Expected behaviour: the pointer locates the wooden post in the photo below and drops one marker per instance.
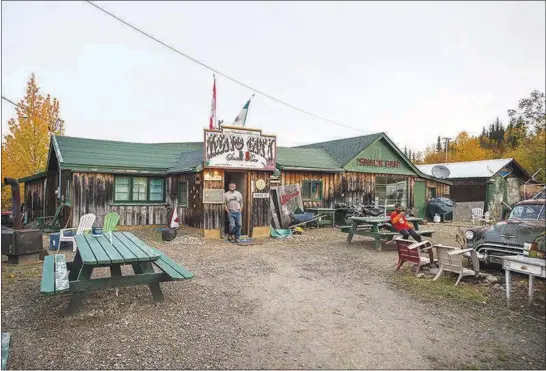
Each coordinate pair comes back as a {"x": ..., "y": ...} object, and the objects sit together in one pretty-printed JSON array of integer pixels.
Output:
[{"x": 507, "y": 277}]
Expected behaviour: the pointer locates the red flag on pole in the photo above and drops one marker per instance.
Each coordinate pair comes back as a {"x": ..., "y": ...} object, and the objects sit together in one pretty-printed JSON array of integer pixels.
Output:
[{"x": 212, "y": 123}]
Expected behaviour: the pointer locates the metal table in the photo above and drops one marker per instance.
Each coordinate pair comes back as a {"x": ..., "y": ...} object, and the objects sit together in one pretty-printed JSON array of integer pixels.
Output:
[{"x": 532, "y": 267}]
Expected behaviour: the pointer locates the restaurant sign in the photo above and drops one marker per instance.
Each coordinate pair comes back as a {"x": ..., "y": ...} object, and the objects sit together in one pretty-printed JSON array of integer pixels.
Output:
[
  {"x": 378, "y": 163},
  {"x": 240, "y": 148}
]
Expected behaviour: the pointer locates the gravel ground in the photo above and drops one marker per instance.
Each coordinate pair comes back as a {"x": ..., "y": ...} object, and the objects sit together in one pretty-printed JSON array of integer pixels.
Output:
[{"x": 309, "y": 302}]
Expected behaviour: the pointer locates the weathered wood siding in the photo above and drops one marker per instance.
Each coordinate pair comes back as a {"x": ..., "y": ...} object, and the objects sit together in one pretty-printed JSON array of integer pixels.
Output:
[
  {"x": 35, "y": 199},
  {"x": 259, "y": 206},
  {"x": 351, "y": 187},
  {"x": 94, "y": 193},
  {"x": 213, "y": 214},
  {"x": 192, "y": 214},
  {"x": 331, "y": 185}
]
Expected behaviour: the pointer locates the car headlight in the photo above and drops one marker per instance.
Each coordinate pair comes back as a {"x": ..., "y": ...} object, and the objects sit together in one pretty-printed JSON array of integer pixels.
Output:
[{"x": 469, "y": 234}]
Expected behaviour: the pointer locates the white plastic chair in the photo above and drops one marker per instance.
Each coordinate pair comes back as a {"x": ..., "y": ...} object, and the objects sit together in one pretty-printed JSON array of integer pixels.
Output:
[
  {"x": 477, "y": 215},
  {"x": 86, "y": 224}
]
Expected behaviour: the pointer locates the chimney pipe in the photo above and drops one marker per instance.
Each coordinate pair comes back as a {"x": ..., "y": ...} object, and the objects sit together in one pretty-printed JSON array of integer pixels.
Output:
[{"x": 15, "y": 202}]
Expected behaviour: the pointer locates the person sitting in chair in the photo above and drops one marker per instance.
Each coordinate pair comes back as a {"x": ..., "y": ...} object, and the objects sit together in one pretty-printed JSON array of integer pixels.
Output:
[{"x": 401, "y": 225}]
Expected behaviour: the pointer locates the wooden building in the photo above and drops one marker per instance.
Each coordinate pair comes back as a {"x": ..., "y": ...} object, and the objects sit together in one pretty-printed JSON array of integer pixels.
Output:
[
  {"x": 486, "y": 184},
  {"x": 142, "y": 181},
  {"x": 360, "y": 169}
]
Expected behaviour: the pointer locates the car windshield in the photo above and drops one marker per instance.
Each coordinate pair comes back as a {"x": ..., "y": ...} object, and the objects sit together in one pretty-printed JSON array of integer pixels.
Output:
[{"x": 528, "y": 212}]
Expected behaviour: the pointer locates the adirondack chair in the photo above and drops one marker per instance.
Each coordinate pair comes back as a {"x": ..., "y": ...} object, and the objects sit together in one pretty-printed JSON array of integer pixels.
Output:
[
  {"x": 86, "y": 223},
  {"x": 111, "y": 221},
  {"x": 477, "y": 215},
  {"x": 409, "y": 251},
  {"x": 451, "y": 260},
  {"x": 53, "y": 223}
]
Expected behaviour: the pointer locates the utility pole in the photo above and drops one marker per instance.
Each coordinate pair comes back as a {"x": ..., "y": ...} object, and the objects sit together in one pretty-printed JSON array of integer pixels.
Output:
[{"x": 447, "y": 140}]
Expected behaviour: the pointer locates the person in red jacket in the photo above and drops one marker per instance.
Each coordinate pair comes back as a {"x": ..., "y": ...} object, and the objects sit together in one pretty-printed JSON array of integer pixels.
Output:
[{"x": 400, "y": 224}]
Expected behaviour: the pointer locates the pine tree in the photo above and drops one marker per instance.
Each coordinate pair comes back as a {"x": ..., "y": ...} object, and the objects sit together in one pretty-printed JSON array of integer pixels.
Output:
[{"x": 439, "y": 145}]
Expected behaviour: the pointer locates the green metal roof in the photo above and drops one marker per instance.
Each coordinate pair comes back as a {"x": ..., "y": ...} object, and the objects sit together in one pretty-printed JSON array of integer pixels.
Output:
[
  {"x": 188, "y": 161},
  {"x": 305, "y": 158},
  {"x": 344, "y": 150},
  {"x": 32, "y": 177},
  {"x": 90, "y": 154}
]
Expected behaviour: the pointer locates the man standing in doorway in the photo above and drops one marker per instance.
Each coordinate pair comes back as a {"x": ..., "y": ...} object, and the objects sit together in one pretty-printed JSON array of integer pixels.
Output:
[{"x": 234, "y": 206}]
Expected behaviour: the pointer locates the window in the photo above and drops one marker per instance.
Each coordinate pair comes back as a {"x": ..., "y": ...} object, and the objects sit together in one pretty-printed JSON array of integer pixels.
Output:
[
  {"x": 391, "y": 190},
  {"x": 312, "y": 190},
  {"x": 139, "y": 189},
  {"x": 183, "y": 194},
  {"x": 431, "y": 193}
]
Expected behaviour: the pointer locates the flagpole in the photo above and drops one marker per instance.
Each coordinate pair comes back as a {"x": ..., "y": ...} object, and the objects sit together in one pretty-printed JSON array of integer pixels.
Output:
[{"x": 215, "y": 115}]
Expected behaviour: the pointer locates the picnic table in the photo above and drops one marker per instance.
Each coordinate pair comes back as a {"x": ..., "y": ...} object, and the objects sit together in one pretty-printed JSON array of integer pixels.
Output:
[
  {"x": 369, "y": 227},
  {"x": 321, "y": 212},
  {"x": 111, "y": 251}
]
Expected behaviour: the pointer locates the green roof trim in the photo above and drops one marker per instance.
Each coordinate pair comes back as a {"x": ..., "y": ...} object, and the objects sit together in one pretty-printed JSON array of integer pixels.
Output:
[
  {"x": 305, "y": 158},
  {"x": 32, "y": 177}
]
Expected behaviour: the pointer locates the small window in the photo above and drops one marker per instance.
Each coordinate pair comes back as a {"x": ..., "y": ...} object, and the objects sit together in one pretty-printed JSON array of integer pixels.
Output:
[
  {"x": 156, "y": 189},
  {"x": 432, "y": 193},
  {"x": 123, "y": 188},
  {"x": 183, "y": 194},
  {"x": 312, "y": 190},
  {"x": 139, "y": 189}
]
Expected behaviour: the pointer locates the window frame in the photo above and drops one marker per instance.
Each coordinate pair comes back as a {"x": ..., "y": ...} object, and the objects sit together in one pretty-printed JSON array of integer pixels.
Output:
[
  {"x": 309, "y": 182},
  {"x": 132, "y": 184},
  {"x": 405, "y": 201},
  {"x": 179, "y": 194}
]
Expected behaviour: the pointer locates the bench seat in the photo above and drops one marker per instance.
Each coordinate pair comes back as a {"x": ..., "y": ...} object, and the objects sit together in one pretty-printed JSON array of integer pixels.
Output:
[
  {"x": 172, "y": 268},
  {"x": 54, "y": 275}
]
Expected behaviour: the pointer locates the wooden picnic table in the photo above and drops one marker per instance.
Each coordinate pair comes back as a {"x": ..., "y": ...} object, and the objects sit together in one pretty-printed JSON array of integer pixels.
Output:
[
  {"x": 369, "y": 227},
  {"x": 111, "y": 251},
  {"x": 324, "y": 211}
]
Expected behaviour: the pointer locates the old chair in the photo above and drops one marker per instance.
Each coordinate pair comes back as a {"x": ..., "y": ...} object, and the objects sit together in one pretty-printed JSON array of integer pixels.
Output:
[
  {"x": 53, "y": 223},
  {"x": 451, "y": 260},
  {"x": 409, "y": 251},
  {"x": 111, "y": 221},
  {"x": 86, "y": 223}
]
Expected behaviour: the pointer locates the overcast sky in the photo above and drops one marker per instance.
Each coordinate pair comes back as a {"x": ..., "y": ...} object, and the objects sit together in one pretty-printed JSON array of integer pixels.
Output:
[{"x": 412, "y": 70}]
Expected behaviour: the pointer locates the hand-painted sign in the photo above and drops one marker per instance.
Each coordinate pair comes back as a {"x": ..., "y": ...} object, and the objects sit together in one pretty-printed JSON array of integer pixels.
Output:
[
  {"x": 240, "y": 148},
  {"x": 378, "y": 163},
  {"x": 260, "y": 195}
]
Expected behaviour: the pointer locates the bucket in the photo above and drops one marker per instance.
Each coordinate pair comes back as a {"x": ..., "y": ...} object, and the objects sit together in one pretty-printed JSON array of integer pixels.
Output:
[
  {"x": 54, "y": 241},
  {"x": 436, "y": 218},
  {"x": 97, "y": 231}
]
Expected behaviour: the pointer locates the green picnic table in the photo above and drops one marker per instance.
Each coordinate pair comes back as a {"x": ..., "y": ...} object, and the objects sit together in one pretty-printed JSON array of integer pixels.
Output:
[
  {"x": 324, "y": 211},
  {"x": 112, "y": 251},
  {"x": 369, "y": 227}
]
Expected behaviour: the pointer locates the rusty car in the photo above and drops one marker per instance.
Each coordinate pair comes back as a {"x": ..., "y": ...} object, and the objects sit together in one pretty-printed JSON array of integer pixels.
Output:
[{"x": 525, "y": 224}]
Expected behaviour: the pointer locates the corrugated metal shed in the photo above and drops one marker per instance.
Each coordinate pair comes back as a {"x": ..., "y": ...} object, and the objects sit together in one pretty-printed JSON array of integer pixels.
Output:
[
  {"x": 91, "y": 154},
  {"x": 305, "y": 158},
  {"x": 344, "y": 150},
  {"x": 470, "y": 169}
]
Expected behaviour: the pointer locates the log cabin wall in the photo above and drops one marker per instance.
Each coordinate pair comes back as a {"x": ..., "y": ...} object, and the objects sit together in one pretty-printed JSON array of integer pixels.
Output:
[
  {"x": 94, "y": 193},
  {"x": 259, "y": 206},
  {"x": 213, "y": 214},
  {"x": 331, "y": 185},
  {"x": 191, "y": 214},
  {"x": 35, "y": 199}
]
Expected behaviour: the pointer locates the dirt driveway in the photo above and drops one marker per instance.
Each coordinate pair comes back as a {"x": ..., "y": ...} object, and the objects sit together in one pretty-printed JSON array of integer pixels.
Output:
[{"x": 311, "y": 302}]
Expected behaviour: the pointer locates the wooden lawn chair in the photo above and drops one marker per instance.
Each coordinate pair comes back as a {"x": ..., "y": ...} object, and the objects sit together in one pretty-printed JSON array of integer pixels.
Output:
[
  {"x": 52, "y": 223},
  {"x": 409, "y": 251},
  {"x": 111, "y": 221},
  {"x": 86, "y": 223},
  {"x": 451, "y": 260}
]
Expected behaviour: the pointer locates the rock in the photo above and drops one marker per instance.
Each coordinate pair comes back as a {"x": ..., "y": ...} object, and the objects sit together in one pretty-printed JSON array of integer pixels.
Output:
[
  {"x": 420, "y": 275},
  {"x": 434, "y": 270},
  {"x": 491, "y": 279}
]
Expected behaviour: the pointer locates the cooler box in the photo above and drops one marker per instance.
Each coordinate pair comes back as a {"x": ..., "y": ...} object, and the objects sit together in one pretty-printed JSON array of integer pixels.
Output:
[{"x": 54, "y": 241}]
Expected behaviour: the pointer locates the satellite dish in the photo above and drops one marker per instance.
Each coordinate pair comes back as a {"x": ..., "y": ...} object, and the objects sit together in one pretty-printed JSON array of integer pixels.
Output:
[
  {"x": 440, "y": 171},
  {"x": 505, "y": 171}
]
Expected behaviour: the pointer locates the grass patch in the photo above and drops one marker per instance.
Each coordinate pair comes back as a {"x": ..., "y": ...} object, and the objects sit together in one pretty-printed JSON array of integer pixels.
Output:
[{"x": 443, "y": 287}]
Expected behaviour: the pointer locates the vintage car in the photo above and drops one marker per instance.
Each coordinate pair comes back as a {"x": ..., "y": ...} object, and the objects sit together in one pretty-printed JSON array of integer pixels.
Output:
[{"x": 525, "y": 224}]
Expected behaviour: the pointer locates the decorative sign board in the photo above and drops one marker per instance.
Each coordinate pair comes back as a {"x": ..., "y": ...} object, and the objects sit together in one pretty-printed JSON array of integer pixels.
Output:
[
  {"x": 260, "y": 195},
  {"x": 260, "y": 184},
  {"x": 213, "y": 196},
  {"x": 378, "y": 163},
  {"x": 240, "y": 148},
  {"x": 212, "y": 177}
]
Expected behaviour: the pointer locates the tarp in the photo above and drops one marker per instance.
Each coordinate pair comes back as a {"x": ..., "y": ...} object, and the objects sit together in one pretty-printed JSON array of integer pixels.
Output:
[
  {"x": 441, "y": 206},
  {"x": 280, "y": 233}
]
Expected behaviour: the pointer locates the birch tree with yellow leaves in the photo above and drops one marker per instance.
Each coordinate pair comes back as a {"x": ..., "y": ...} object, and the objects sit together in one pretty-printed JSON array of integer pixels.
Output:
[{"x": 25, "y": 147}]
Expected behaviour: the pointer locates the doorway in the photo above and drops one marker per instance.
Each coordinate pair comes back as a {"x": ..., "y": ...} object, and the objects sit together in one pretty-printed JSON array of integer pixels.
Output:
[{"x": 240, "y": 179}]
